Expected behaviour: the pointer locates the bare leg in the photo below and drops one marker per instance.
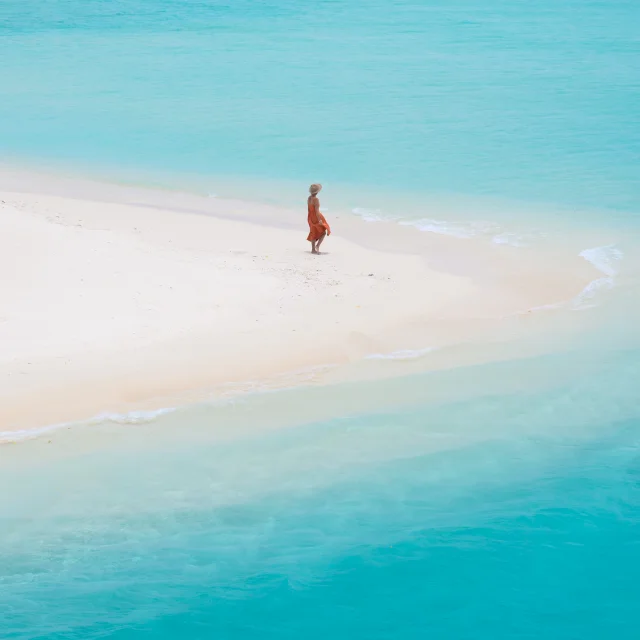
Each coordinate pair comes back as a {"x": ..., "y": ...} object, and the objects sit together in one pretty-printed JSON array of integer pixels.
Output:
[
  {"x": 313, "y": 247},
  {"x": 319, "y": 241}
]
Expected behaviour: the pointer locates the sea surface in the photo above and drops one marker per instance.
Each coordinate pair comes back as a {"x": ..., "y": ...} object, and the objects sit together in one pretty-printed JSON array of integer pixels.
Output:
[{"x": 500, "y": 500}]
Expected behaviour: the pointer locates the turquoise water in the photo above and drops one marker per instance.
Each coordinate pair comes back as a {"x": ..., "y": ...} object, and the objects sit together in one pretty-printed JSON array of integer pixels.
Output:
[
  {"x": 509, "y": 515},
  {"x": 506, "y": 510},
  {"x": 532, "y": 102}
]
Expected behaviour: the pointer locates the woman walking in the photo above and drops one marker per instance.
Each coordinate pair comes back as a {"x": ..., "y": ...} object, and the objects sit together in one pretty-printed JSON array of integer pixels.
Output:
[{"x": 318, "y": 226}]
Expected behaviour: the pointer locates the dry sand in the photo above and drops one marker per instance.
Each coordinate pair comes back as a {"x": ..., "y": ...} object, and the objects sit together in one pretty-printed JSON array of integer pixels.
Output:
[{"x": 112, "y": 306}]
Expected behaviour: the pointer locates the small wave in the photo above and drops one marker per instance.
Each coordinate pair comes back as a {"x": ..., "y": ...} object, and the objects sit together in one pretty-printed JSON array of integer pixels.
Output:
[
  {"x": 370, "y": 215},
  {"x": 455, "y": 229},
  {"x": 402, "y": 354},
  {"x": 606, "y": 259},
  {"x": 512, "y": 239},
  {"x": 585, "y": 299},
  {"x": 465, "y": 230},
  {"x": 8, "y": 437},
  {"x": 132, "y": 417}
]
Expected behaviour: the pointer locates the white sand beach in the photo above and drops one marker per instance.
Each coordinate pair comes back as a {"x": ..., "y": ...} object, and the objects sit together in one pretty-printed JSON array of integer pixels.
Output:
[{"x": 124, "y": 304}]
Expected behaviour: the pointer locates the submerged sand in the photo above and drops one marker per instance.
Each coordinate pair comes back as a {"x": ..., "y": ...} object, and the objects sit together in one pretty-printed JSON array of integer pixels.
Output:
[{"x": 116, "y": 298}]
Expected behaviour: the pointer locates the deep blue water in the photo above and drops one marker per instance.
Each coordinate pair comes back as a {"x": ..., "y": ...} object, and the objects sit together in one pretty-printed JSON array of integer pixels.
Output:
[{"x": 498, "y": 515}]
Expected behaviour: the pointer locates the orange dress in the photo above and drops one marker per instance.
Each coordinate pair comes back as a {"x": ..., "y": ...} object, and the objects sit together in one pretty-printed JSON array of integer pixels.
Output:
[{"x": 316, "y": 229}]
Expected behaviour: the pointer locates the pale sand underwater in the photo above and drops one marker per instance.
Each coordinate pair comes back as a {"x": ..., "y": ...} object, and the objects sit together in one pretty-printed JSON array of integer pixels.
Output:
[{"x": 126, "y": 299}]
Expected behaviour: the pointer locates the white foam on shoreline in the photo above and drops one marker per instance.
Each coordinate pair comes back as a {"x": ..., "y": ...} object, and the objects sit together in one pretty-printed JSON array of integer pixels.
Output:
[
  {"x": 470, "y": 229},
  {"x": 512, "y": 239},
  {"x": 131, "y": 417},
  {"x": 452, "y": 228},
  {"x": 282, "y": 382},
  {"x": 606, "y": 259},
  {"x": 456, "y": 229},
  {"x": 370, "y": 215}
]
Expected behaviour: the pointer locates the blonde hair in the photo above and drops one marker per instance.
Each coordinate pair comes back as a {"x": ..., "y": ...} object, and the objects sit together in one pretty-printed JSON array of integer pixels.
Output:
[{"x": 315, "y": 188}]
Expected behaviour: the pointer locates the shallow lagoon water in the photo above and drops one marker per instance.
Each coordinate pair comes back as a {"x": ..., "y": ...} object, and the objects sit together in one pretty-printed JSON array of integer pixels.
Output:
[
  {"x": 534, "y": 103},
  {"x": 504, "y": 504},
  {"x": 494, "y": 515}
]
